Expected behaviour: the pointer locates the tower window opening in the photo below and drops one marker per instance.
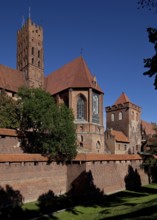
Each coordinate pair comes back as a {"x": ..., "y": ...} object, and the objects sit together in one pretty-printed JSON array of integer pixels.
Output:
[
  {"x": 38, "y": 63},
  {"x": 32, "y": 60},
  {"x": 132, "y": 115},
  {"x": 32, "y": 50},
  {"x": 38, "y": 53},
  {"x": 120, "y": 116},
  {"x": 112, "y": 117}
]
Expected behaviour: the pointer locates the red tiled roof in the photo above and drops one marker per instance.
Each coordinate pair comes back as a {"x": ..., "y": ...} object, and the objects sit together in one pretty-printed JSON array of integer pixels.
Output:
[
  {"x": 72, "y": 75},
  {"x": 119, "y": 136},
  {"x": 8, "y": 132},
  {"x": 11, "y": 79},
  {"x": 148, "y": 127},
  {"x": 122, "y": 99}
]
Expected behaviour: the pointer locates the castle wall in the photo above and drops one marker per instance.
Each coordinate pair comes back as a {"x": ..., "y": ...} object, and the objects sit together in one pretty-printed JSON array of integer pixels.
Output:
[
  {"x": 9, "y": 142},
  {"x": 32, "y": 176}
]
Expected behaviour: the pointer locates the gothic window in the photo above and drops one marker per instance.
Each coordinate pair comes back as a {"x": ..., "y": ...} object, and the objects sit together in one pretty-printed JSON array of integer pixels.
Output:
[
  {"x": 81, "y": 108},
  {"x": 120, "y": 116},
  {"x": 98, "y": 145},
  {"x": 112, "y": 117},
  {"x": 32, "y": 60}
]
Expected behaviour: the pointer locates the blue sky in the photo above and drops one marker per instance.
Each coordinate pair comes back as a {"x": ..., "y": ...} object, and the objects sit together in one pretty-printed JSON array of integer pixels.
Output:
[{"x": 112, "y": 34}]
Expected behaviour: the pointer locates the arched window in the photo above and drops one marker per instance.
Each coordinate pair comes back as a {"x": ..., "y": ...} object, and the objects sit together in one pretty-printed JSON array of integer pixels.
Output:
[
  {"x": 81, "y": 108},
  {"x": 32, "y": 60},
  {"x": 98, "y": 145},
  {"x": 120, "y": 116},
  {"x": 112, "y": 117}
]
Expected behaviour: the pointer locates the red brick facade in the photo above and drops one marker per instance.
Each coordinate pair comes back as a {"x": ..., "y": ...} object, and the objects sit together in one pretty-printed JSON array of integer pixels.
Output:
[{"x": 33, "y": 176}]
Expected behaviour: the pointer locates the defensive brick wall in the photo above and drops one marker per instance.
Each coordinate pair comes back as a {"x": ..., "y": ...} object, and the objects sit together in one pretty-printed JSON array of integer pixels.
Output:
[{"x": 32, "y": 175}]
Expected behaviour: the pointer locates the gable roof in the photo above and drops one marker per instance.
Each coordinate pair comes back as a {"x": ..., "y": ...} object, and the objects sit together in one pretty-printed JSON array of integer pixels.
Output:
[
  {"x": 119, "y": 136},
  {"x": 148, "y": 128},
  {"x": 122, "y": 99},
  {"x": 75, "y": 74},
  {"x": 11, "y": 79}
]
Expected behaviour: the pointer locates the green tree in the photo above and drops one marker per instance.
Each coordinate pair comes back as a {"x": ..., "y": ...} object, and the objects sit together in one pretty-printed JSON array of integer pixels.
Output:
[
  {"x": 150, "y": 160},
  {"x": 64, "y": 136},
  {"x": 151, "y": 63},
  {"x": 45, "y": 127},
  {"x": 9, "y": 113}
]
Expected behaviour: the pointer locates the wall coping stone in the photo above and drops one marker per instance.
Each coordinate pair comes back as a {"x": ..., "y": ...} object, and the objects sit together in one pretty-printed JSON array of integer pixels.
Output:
[{"x": 80, "y": 157}]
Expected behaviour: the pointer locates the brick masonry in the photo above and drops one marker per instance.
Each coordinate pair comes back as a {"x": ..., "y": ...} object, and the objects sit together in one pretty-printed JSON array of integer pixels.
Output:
[{"x": 32, "y": 176}]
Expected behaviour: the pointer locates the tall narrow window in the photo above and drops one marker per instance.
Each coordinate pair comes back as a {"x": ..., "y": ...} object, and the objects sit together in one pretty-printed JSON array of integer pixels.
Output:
[
  {"x": 136, "y": 116},
  {"x": 81, "y": 108},
  {"x": 112, "y": 117},
  {"x": 32, "y": 60},
  {"x": 132, "y": 115},
  {"x": 32, "y": 50},
  {"x": 38, "y": 63},
  {"x": 38, "y": 53},
  {"x": 120, "y": 116}
]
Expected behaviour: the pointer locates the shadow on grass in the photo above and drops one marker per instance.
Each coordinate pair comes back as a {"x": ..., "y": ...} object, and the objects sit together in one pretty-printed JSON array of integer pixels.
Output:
[
  {"x": 83, "y": 192},
  {"x": 142, "y": 213}
]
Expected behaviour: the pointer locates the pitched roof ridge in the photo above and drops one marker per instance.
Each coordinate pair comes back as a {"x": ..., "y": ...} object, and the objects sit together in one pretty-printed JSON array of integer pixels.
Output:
[
  {"x": 7, "y": 67},
  {"x": 123, "y": 98},
  {"x": 87, "y": 71},
  {"x": 74, "y": 74}
]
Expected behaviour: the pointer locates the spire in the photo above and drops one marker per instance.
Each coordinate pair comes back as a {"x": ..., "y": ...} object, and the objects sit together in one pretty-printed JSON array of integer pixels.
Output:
[
  {"x": 29, "y": 13},
  {"x": 122, "y": 99},
  {"x": 23, "y": 20}
]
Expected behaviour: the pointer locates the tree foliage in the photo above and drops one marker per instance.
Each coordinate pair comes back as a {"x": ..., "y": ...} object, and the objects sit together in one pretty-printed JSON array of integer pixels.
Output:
[
  {"x": 9, "y": 112},
  {"x": 150, "y": 4},
  {"x": 150, "y": 161},
  {"x": 46, "y": 127},
  {"x": 151, "y": 63}
]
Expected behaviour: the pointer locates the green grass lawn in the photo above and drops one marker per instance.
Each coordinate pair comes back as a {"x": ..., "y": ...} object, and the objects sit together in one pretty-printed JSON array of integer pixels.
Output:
[
  {"x": 141, "y": 204},
  {"x": 122, "y": 205}
]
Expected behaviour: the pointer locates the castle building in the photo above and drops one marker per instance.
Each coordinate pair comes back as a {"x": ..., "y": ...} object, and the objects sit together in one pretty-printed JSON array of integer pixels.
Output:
[
  {"x": 72, "y": 84},
  {"x": 30, "y": 59},
  {"x": 124, "y": 117}
]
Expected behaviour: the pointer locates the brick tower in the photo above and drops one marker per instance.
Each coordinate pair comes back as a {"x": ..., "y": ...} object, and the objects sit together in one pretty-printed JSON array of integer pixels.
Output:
[
  {"x": 125, "y": 116},
  {"x": 30, "y": 53}
]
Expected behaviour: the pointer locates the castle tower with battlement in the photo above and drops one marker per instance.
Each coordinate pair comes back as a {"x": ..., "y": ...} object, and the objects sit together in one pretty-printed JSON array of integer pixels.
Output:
[
  {"x": 30, "y": 53},
  {"x": 125, "y": 116}
]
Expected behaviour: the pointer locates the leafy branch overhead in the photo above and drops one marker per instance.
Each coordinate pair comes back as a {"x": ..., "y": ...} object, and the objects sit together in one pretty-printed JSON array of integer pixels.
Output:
[
  {"x": 151, "y": 63},
  {"x": 150, "y": 4}
]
